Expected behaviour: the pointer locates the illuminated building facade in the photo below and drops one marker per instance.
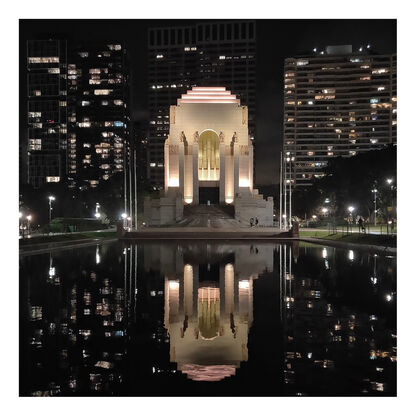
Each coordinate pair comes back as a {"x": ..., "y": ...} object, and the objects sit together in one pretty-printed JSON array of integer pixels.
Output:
[
  {"x": 208, "y": 157},
  {"x": 46, "y": 111},
  {"x": 205, "y": 54},
  {"x": 98, "y": 112},
  {"x": 336, "y": 103}
]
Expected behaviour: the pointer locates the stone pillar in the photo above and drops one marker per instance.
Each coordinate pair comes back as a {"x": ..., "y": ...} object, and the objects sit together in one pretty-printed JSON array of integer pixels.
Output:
[
  {"x": 195, "y": 173},
  {"x": 222, "y": 158},
  {"x": 181, "y": 169},
  {"x": 235, "y": 170}
]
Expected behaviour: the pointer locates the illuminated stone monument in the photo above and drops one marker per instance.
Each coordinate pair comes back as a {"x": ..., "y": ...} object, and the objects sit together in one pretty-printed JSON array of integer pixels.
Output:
[{"x": 208, "y": 156}]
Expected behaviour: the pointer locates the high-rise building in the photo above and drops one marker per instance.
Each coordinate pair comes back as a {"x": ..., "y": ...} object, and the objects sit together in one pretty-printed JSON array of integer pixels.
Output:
[
  {"x": 46, "y": 111},
  {"x": 98, "y": 112},
  {"x": 78, "y": 111},
  {"x": 336, "y": 103},
  {"x": 204, "y": 54}
]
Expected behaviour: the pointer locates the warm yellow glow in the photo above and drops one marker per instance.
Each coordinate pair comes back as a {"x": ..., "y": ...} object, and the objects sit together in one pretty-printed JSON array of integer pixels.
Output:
[
  {"x": 244, "y": 182},
  {"x": 174, "y": 285},
  {"x": 244, "y": 284},
  {"x": 209, "y": 158},
  {"x": 188, "y": 200},
  {"x": 229, "y": 200},
  {"x": 173, "y": 181}
]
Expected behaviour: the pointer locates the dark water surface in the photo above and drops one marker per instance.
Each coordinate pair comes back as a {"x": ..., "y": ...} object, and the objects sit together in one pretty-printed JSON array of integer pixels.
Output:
[{"x": 183, "y": 319}]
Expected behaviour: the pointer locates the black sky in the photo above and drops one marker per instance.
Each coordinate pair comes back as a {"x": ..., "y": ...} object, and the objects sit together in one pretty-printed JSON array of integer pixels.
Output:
[{"x": 276, "y": 40}]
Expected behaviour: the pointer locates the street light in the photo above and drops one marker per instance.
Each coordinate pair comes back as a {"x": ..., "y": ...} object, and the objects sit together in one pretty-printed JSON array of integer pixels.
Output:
[
  {"x": 350, "y": 209},
  {"x": 124, "y": 217},
  {"x": 324, "y": 210},
  {"x": 374, "y": 191},
  {"x": 29, "y": 218},
  {"x": 51, "y": 199}
]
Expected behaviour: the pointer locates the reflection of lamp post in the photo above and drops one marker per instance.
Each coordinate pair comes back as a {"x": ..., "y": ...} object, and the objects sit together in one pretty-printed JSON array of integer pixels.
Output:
[{"x": 51, "y": 199}]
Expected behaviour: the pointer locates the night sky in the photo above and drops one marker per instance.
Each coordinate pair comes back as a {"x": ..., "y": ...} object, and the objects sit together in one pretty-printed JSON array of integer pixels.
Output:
[{"x": 276, "y": 40}]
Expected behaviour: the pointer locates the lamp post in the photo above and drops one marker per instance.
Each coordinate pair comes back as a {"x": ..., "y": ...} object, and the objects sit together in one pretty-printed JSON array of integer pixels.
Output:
[
  {"x": 97, "y": 212},
  {"x": 389, "y": 181},
  {"x": 29, "y": 218},
  {"x": 20, "y": 222},
  {"x": 51, "y": 199},
  {"x": 375, "y": 191},
  {"x": 350, "y": 209},
  {"x": 124, "y": 217}
]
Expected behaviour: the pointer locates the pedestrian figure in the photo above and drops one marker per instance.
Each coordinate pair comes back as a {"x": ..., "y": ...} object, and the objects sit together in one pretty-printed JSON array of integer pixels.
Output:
[
  {"x": 256, "y": 221},
  {"x": 251, "y": 221},
  {"x": 360, "y": 222}
]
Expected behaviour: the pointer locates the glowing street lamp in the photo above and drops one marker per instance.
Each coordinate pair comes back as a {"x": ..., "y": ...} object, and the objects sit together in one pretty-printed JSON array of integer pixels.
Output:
[
  {"x": 350, "y": 209},
  {"x": 375, "y": 191},
  {"x": 124, "y": 217},
  {"x": 324, "y": 210},
  {"x": 29, "y": 218},
  {"x": 51, "y": 199}
]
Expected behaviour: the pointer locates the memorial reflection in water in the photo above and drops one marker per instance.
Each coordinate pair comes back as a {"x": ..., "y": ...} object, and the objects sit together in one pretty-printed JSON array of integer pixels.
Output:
[
  {"x": 198, "y": 318},
  {"x": 209, "y": 307}
]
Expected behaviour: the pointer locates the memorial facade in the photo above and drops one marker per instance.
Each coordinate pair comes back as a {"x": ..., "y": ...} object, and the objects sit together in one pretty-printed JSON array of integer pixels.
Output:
[{"x": 208, "y": 158}]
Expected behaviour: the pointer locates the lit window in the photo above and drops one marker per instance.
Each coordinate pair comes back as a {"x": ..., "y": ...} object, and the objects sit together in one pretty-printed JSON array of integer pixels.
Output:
[
  {"x": 102, "y": 91},
  {"x": 45, "y": 59},
  {"x": 114, "y": 47}
]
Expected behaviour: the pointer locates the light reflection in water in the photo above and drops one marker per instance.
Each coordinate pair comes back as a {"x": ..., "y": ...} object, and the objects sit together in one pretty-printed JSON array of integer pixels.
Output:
[{"x": 194, "y": 313}]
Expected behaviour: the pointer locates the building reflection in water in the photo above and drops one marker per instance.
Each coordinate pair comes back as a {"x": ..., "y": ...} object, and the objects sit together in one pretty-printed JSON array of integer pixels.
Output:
[
  {"x": 208, "y": 308},
  {"x": 96, "y": 321},
  {"x": 330, "y": 327}
]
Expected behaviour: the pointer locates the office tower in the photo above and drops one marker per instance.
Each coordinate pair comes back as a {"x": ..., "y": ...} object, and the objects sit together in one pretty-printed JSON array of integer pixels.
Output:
[
  {"x": 337, "y": 102},
  {"x": 98, "y": 112},
  {"x": 46, "y": 111},
  {"x": 204, "y": 54},
  {"x": 139, "y": 145}
]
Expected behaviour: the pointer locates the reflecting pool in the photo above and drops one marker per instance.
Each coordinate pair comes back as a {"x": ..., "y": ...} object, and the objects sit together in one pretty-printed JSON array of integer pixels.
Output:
[{"x": 184, "y": 319}]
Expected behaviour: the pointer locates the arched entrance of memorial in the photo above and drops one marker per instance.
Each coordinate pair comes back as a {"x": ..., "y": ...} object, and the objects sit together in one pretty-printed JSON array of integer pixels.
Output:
[{"x": 209, "y": 167}]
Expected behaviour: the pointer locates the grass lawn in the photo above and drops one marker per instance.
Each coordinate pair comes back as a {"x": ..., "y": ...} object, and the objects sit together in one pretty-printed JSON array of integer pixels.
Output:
[
  {"x": 69, "y": 237},
  {"x": 359, "y": 238}
]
